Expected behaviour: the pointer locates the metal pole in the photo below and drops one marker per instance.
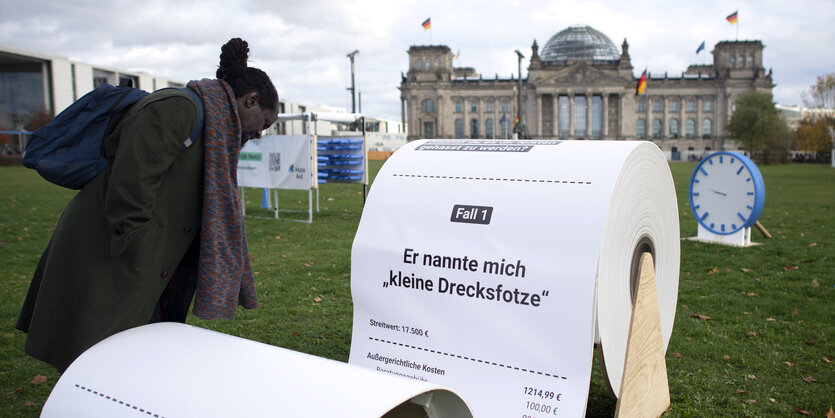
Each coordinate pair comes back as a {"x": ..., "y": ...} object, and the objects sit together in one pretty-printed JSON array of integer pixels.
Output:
[
  {"x": 832, "y": 150},
  {"x": 275, "y": 197},
  {"x": 519, "y": 90},
  {"x": 353, "y": 86},
  {"x": 521, "y": 128},
  {"x": 403, "y": 117},
  {"x": 243, "y": 202}
]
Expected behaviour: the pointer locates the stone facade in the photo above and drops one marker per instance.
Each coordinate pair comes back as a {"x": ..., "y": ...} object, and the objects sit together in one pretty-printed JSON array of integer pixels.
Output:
[{"x": 582, "y": 95}]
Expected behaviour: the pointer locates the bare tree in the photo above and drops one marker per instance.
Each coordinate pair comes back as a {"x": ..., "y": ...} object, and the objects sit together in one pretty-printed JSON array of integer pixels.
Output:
[{"x": 822, "y": 93}]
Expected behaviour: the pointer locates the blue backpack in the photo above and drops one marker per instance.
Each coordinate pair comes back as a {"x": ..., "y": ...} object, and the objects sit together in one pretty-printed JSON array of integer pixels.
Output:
[{"x": 69, "y": 151}]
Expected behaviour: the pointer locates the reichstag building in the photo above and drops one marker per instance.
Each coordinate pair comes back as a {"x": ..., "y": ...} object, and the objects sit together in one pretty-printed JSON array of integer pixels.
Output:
[{"x": 580, "y": 85}]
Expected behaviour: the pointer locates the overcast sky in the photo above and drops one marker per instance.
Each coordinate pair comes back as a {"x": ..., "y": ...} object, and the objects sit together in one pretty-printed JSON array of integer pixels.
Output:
[{"x": 303, "y": 45}]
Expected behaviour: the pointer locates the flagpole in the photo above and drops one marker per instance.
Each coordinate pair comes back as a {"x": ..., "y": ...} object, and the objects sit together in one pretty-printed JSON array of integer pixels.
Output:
[
  {"x": 427, "y": 25},
  {"x": 737, "y": 24}
]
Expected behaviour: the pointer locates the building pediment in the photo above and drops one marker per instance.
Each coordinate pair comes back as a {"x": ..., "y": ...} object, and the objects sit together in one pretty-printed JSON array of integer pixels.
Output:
[{"x": 580, "y": 74}]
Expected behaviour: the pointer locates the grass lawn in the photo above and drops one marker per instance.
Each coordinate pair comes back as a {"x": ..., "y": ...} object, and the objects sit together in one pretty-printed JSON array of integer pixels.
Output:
[{"x": 766, "y": 349}]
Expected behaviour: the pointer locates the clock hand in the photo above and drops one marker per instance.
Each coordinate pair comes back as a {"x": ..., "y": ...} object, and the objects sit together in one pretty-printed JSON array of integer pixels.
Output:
[{"x": 718, "y": 192}]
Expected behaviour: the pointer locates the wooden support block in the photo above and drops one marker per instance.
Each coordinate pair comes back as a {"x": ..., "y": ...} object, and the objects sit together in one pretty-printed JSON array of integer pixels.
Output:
[
  {"x": 762, "y": 229},
  {"x": 644, "y": 390}
]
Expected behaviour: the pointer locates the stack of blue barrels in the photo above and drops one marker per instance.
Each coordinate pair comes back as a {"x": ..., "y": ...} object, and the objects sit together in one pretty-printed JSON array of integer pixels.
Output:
[{"x": 340, "y": 159}]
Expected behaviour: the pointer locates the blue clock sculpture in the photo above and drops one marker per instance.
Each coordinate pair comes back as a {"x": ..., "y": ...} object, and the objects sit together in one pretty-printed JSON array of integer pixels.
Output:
[{"x": 727, "y": 194}]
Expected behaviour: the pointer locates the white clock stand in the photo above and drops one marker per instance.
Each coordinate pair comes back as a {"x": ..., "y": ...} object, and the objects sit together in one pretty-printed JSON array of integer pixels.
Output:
[{"x": 741, "y": 238}]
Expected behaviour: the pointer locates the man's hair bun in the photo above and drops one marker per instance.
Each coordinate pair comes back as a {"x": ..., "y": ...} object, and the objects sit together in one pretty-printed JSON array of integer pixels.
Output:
[{"x": 233, "y": 58}]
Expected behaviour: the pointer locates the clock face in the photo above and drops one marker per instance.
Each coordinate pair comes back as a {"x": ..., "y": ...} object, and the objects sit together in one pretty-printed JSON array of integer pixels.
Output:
[{"x": 727, "y": 192}]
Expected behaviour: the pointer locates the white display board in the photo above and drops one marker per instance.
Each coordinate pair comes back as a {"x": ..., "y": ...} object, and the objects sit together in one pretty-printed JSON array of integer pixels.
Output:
[
  {"x": 176, "y": 370},
  {"x": 276, "y": 162},
  {"x": 478, "y": 265}
]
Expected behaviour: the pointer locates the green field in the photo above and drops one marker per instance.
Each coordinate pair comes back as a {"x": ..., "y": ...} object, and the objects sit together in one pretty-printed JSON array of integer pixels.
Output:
[{"x": 766, "y": 349}]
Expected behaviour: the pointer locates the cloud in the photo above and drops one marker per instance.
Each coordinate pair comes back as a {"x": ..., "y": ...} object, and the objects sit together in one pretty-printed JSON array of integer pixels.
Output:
[{"x": 303, "y": 45}]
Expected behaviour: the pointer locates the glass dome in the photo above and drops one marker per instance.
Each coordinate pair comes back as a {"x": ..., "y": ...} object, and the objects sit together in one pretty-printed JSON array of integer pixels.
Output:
[{"x": 580, "y": 43}]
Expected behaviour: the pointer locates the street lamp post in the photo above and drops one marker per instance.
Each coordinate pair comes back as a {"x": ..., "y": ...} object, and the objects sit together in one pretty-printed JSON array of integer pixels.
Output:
[
  {"x": 521, "y": 128},
  {"x": 353, "y": 87}
]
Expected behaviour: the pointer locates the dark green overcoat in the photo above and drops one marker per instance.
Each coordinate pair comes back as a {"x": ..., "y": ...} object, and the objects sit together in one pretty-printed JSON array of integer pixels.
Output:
[{"x": 123, "y": 236}]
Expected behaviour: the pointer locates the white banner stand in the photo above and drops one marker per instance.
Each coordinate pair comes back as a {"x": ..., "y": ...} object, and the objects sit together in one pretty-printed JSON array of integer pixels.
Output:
[
  {"x": 291, "y": 162},
  {"x": 176, "y": 370},
  {"x": 276, "y": 162}
]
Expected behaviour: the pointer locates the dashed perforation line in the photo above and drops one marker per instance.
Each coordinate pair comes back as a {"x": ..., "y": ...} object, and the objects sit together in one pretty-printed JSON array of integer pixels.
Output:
[
  {"x": 117, "y": 401},
  {"x": 426, "y": 176},
  {"x": 429, "y": 350}
]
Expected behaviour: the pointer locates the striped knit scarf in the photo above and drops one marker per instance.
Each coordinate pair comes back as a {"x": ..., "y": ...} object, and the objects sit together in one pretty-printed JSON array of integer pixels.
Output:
[{"x": 224, "y": 274}]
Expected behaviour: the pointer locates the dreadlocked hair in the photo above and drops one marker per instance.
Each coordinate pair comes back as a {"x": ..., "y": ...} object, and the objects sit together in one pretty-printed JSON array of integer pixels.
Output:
[{"x": 233, "y": 69}]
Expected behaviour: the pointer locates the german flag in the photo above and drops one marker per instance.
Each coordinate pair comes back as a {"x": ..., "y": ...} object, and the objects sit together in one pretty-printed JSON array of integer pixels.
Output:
[
  {"x": 426, "y": 23},
  {"x": 732, "y": 18},
  {"x": 642, "y": 84}
]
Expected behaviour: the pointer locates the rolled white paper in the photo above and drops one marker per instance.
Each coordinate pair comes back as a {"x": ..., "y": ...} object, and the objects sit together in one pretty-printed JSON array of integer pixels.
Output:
[
  {"x": 176, "y": 370},
  {"x": 493, "y": 266}
]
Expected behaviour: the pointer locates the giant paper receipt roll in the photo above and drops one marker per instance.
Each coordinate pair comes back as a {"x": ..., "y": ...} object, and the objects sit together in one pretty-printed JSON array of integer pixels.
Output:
[
  {"x": 492, "y": 267},
  {"x": 176, "y": 370}
]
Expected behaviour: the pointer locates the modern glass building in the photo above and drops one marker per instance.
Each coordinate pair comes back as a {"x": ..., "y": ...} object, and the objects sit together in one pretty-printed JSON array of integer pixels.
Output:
[
  {"x": 23, "y": 91},
  {"x": 34, "y": 87}
]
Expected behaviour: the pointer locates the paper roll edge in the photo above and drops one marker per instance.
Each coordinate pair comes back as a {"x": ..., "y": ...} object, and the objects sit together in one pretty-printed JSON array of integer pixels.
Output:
[{"x": 644, "y": 208}]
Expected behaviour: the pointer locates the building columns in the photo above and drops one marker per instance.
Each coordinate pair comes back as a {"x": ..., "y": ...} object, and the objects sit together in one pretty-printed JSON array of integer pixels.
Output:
[
  {"x": 605, "y": 104},
  {"x": 588, "y": 115},
  {"x": 413, "y": 118},
  {"x": 698, "y": 118},
  {"x": 555, "y": 115},
  {"x": 465, "y": 114},
  {"x": 439, "y": 111},
  {"x": 570, "y": 115},
  {"x": 403, "y": 111}
]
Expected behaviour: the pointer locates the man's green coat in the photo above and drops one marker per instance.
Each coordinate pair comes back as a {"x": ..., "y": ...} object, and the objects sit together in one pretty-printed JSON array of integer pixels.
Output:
[{"x": 122, "y": 237}]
